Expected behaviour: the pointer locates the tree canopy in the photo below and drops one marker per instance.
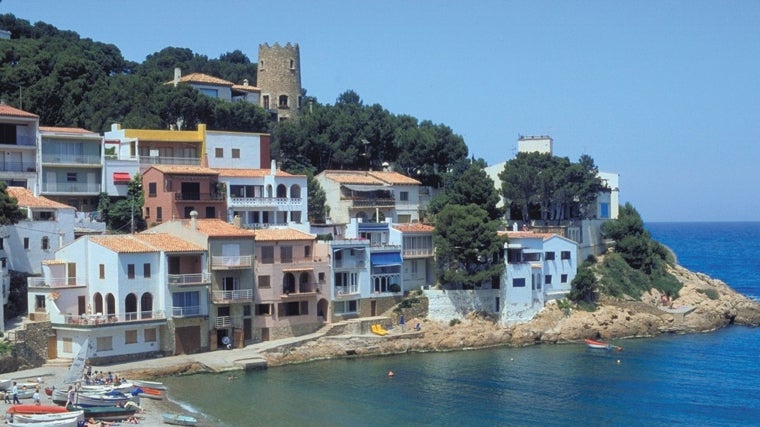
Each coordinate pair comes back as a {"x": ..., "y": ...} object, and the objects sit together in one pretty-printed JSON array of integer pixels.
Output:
[{"x": 10, "y": 213}]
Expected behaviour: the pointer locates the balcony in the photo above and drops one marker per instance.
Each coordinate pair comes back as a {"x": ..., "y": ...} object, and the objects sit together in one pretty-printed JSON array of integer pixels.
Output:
[
  {"x": 241, "y": 295},
  {"x": 54, "y": 282},
  {"x": 231, "y": 262},
  {"x": 373, "y": 203},
  {"x": 21, "y": 141},
  {"x": 418, "y": 253},
  {"x": 349, "y": 263},
  {"x": 146, "y": 161},
  {"x": 221, "y": 322},
  {"x": 346, "y": 291},
  {"x": 71, "y": 159},
  {"x": 96, "y": 320},
  {"x": 243, "y": 202},
  {"x": 196, "y": 197},
  {"x": 71, "y": 187},
  {"x": 18, "y": 167},
  {"x": 190, "y": 311},
  {"x": 188, "y": 279}
]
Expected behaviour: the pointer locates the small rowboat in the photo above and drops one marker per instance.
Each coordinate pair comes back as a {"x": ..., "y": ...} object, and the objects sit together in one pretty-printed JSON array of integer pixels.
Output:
[
  {"x": 178, "y": 419},
  {"x": 601, "y": 345},
  {"x": 35, "y": 409},
  {"x": 149, "y": 384}
]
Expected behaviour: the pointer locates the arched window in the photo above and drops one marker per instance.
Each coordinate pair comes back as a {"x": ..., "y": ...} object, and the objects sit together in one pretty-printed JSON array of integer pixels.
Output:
[
  {"x": 98, "y": 299},
  {"x": 288, "y": 283},
  {"x": 130, "y": 306},
  {"x": 110, "y": 304},
  {"x": 146, "y": 306},
  {"x": 295, "y": 191},
  {"x": 304, "y": 284},
  {"x": 282, "y": 191}
]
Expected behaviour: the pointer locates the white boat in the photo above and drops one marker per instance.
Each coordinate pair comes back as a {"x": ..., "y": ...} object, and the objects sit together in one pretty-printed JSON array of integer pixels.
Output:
[
  {"x": 39, "y": 419},
  {"x": 179, "y": 419},
  {"x": 149, "y": 384},
  {"x": 6, "y": 384},
  {"x": 110, "y": 399},
  {"x": 69, "y": 422}
]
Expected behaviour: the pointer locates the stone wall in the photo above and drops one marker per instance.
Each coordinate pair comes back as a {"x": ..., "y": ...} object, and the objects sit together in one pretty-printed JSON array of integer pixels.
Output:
[
  {"x": 445, "y": 305},
  {"x": 32, "y": 343}
]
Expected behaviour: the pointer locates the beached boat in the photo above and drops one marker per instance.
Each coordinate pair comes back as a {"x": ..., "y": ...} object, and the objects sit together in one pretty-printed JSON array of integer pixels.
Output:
[
  {"x": 69, "y": 422},
  {"x": 601, "y": 345},
  {"x": 179, "y": 419},
  {"x": 112, "y": 398},
  {"x": 149, "y": 384},
  {"x": 35, "y": 409},
  {"x": 44, "y": 419},
  {"x": 6, "y": 384},
  {"x": 107, "y": 413},
  {"x": 150, "y": 393}
]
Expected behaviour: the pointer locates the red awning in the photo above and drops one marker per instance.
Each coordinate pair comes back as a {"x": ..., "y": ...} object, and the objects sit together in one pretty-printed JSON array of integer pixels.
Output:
[{"x": 121, "y": 178}]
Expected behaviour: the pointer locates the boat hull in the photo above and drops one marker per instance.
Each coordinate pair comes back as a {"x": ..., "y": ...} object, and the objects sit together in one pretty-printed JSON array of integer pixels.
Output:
[{"x": 179, "y": 420}]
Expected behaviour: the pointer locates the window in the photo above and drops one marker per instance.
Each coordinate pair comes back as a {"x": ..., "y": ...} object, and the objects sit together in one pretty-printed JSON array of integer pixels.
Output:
[
  {"x": 235, "y": 153},
  {"x": 104, "y": 344},
  {"x": 150, "y": 335},
  {"x": 261, "y": 65},
  {"x": 186, "y": 304},
  {"x": 67, "y": 345},
  {"x": 292, "y": 64},
  {"x": 549, "y": 256},
  {"x": 210, "y": 212},
  {"x": 548, "y": 279},
  {"x": 265, "y": 102},
  {"x": 151, "y": 189},
  {"x": 45, "y": 243},
  {"x": 321, "y": 277},
  {"x": 345, "y": 307},
  {"x": 565, "y": 254},
  {"x": 2, "y": 245},
  {"x": 295, "y": 308},
  {"x": 71, "y": 176},
  {"x": 282, "y": 101},
  {"x": 219, "y": 153},
  {"x": 131, "y": 271},
  {"x": 267, "y": 255},
  {"x": 159, "y": 214},
  {"x": 306, "y": 251},
  {"x": 518, "y": 283},
  {"x": 563, "y": 278},
  {"x": 146, "y": 271},
  {"x": 26, "y": 243},
  {"x": 264, "y": 309},
  {"x": 102, "y": 268},
  {"x": 247, "y": 310},
  {"x": 404, "y": 196},
  {"x": 130, "y": 337},
  {"x": 214, "y": 93},
  {"x": 265, "y": 282},
  {"x": 286, "y": 254},
  {"x": 532, "y": 256},
  {"x": 147, "y": 213}
]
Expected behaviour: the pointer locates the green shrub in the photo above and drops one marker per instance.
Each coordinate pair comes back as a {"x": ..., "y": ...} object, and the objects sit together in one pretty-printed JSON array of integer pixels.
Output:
[
  {"x": 454, "y": 322},
  {"x": 711, "y": 293}
]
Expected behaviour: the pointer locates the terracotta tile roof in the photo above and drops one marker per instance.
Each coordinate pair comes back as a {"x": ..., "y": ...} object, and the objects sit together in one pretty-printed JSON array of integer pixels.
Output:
[
  {"x": 168, "y": 242},
  {"x": 244, "y": 88},
  {"x": 352, "y": 177},
  {"x": 250, "y": 173},
  {"x": 27, "y": 199},
  {"x": 525, "y": 235},
  {"x": 53, "y": 129},
  {"x": 185, "y": 169},
  {"x": 219, "y": 228},
  {"x": 414, "y": 228},
  {"x": 125, "y": 243},
  {"x": 275, "y": 234},
  {"x": 370, "y": 177},
  {"x": 203, "y": 79},
  {"x": 53, "y": 261},
  {"x": 7, "y": 110},
  {"x": 395, "y": 178}
]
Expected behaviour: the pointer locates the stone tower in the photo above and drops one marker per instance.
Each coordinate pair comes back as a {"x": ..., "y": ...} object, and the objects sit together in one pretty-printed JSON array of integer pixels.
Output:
[{"x": 279, "y": 78}]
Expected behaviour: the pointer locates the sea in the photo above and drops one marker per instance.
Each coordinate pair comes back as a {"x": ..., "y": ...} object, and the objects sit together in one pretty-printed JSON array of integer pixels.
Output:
[{"x": 708, "y": 379}]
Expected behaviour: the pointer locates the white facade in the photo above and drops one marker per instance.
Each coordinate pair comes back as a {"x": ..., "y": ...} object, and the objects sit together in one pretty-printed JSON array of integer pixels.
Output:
[
  {"x": 539, "y": 268},
  {"x": 417, "y": 252},
  {"x": 535, "y": 144},
  {"x": 237, "y": 150},
  {"x": 350, "y": 281}
]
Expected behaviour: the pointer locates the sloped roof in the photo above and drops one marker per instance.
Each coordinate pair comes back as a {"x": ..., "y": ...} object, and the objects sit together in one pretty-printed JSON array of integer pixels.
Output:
[
  {"x": 67, "y": 130},
  {"x": 168, "y": 242},
  {"x": 280, "y": 234},
  {"x": 370, "y": 178},
  {"x": 7, "y": 110},
  {"x": 414, "y": 228},
  {"x": 203, "y": 79},
  {"x": 526, "y": 235},
  {"x": 394, "y": 178},
  {"x": 218, "y": 228},
  {"x": 125, "y": 243},
  {"x": 27, "y": 199},
  {"x": 246, "y": 88},
  {"x": 250, "y": 173}
]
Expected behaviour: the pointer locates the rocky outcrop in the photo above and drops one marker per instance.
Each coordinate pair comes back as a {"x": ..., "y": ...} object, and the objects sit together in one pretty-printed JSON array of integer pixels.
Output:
[{"x": 704, "y": 304}]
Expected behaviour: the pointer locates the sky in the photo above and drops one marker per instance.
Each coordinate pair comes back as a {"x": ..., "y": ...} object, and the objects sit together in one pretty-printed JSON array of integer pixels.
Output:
[{"x": 665, "y": 93}]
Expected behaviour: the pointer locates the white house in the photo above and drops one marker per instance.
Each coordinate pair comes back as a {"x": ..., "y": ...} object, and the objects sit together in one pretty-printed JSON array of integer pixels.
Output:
[
  {"x": 417, "y": 252},
  {"x": 237, "y": 150},
  {"x": 48, "y": 226},
  {"x": 539, "y": 268}
]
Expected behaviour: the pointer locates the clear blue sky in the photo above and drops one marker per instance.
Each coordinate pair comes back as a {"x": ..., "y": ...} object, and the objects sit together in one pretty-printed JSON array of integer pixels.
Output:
[{"x": 665, "y": 93}]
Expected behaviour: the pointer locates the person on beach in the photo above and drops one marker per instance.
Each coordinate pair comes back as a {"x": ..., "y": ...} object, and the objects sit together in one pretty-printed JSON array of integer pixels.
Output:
[
  {"x": 36, "y": 396},
  {"x": 14, "y": 392},
  {"x": 70, "y": 396}
]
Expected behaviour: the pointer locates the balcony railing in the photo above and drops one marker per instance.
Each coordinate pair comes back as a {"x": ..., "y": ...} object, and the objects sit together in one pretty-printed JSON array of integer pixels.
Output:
[
  {"x": 264, "y": 201},
  {"x": 365, "y": 203},
  {"x": 228, "y": 322},
  {"x": 232, "y": 296},
  {"x": 195, "y": 197},
  {"x": 345, "y": 291},
  {"x": 227, "y": 262},
  {"x": 21, "y": 140},
  {"x": 71, "y": 159},
  {"x": 349, "y": 263},
  {"x": 189, "y": 279},
  {"x": 190, "y": 311},
  {"x": 54, "y": 282},
  {"x": 161, "y": 160},
  {"x": 111, "y": 319},
  {"x": 18, "y": 167},
  {"x": 71, "y": 187},
  {"x": 418, "y": 252}
]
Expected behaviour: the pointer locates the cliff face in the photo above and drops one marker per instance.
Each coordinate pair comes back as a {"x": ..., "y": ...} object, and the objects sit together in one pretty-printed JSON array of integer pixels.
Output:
[{"x": 704, "y": 304}]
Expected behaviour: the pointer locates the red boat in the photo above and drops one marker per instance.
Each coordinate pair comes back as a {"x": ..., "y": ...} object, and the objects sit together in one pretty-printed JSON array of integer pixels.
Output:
[
  {"x": 36, "y": 409},
  {"x": 601, "y": 345}
]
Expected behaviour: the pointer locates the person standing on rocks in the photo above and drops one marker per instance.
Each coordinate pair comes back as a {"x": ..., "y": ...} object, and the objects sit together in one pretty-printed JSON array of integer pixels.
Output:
[{"x": 402, "y": 323}]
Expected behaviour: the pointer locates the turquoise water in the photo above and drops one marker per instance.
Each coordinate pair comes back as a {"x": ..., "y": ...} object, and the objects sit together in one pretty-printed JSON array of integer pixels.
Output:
[{"x": 704, "y": 379}]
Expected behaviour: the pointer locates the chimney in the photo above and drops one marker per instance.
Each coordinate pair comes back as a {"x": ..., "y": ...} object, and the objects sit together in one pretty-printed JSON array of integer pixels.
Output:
[
  {"x": 274, "y": 167},
  {"x": 245, "y": 82},
  {"x": 177, "y": 75},
  {"x": 236, "y": 221},
  {"x": 194, "y": 220}
]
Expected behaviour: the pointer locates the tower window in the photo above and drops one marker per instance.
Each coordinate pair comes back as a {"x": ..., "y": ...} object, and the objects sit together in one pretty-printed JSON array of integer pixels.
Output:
[
  {"x": 261, "y": 65},
  {"x": 265, "y": 102},
  {"x": 283, "y": 101},
  {"x": 292, "y": 64}
]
